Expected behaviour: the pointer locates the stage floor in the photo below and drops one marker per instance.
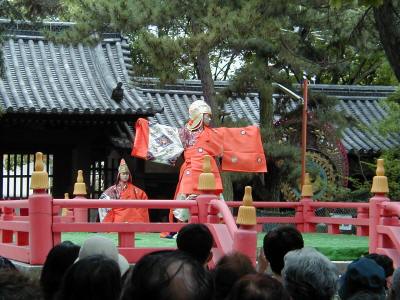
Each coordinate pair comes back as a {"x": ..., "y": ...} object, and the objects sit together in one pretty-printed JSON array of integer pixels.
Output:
[{"x": 340, "y": 247}]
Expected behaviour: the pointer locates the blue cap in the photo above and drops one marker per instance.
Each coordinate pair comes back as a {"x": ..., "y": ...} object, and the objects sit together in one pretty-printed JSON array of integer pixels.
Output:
[{"x": 362, "y": 274}]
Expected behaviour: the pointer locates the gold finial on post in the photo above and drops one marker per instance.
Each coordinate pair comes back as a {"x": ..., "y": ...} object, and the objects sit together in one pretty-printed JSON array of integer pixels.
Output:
[
  {"x": 247, "y": 212},
  {"x": 64, "y": 211},
  {"x": 207, "y": 178},
  {"x": 40, "y": 178},
  {"x": 80, "y": 186},
  {"x": 306, "y": 189},
  {"x": 380, "y": 182}
]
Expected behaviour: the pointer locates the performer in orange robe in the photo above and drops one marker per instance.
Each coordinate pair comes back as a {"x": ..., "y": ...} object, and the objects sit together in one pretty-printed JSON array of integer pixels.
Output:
[
  {"x": 241, "y": 149},
  {"x": 124, "y": 189}
]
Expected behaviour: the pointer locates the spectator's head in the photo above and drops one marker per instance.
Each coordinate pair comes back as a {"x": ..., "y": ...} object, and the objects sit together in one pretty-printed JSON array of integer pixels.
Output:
[
  {"x": 278, "y": 242},
  {"x": 17, "y": 286},
  {"x": 168, "y": 275},
  {"x": 394, "y": 291},
  {"x": 258, "y": 287},
  {"x": 197, "y": 241},
  {"x": 363, "y": 274},
  {"x": 6, "y": 264},
  {"x": 367, "y": 295},
  {"x": 94, "y": 277},
  {"x": 229, "y": 270},
  {"x": 385, "y": 262},
  {"x": 98, "y": 245},
  {"x": 57, "y": 262},
  {"x": 309, "y": 275}
]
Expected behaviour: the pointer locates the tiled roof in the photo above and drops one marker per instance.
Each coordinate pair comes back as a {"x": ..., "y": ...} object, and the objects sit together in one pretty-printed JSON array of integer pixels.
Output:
[
  {"x": 364, "y": 103},
  {"x": 43, "y": 77}
]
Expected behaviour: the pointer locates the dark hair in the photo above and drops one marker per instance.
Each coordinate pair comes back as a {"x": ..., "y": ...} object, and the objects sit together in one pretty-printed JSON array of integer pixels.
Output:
[
  {"x": 17, "y": 286},
  {"x": 384, "y": 261},
  {"x": 228, "y": 271},
  {"x": 92, "y": 278},
  {"x": 6, "y": 264},
  {"x": 168, "y": 275},
  {"x": 278, "y": 242},
  {"x": 258, "y": 287},
  {"x": 58, "y": 260},
  {"x": 196, "y": 240},
  {"x": 367, "y": 295}
]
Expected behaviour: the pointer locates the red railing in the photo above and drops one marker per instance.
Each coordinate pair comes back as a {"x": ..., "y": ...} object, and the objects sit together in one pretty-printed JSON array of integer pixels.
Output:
[
  {"x": 126, "y": 231},
  {"x": 29, "y": 238},
  {"x": 305, "y": 218},
  {"x": 385, "y": 228}
]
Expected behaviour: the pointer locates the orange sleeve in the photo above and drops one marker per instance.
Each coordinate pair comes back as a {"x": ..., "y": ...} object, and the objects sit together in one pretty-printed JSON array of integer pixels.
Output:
[
  {"x": 141, "y": 143},
  {"x": 243, "y": 150}
]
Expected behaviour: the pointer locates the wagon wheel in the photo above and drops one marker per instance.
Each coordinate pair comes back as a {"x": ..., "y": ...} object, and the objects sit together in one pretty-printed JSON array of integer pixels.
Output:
[{"x": 322, "y": 174}]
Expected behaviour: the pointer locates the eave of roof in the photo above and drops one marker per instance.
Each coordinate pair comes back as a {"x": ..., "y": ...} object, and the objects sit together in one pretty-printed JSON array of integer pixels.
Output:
[{"x": 47, "y": 78}]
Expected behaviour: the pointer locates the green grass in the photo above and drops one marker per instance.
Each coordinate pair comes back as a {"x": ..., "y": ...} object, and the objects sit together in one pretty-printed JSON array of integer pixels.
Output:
[{"x": 336, "y": 247}]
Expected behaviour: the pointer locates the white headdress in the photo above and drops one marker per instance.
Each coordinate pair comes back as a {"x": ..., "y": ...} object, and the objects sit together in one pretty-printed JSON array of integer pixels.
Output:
[{"x": 196, "y": 111}]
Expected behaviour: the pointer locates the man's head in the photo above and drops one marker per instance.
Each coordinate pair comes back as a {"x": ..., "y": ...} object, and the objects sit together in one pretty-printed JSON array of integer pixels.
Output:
[
  {"x": 258, "y": 287},
  {"x": 278, "y": 242},
  {"x": 17, "y": 286},
  {"x": 309, "y": 275},
  {"x": 394, "y": 291},
  {"x": 168, "y": 275},
  {"x": 197, "y": 241},
  {"x": 384, "y": 261},
  {"x": 92, "y": 277},
  {"x": 98, "y": 245},
  {"x": 363, "y": 274},
  {"x": 229, "y": 269}
]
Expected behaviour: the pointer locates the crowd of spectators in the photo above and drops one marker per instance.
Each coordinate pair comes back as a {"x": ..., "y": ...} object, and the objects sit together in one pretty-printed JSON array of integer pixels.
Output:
[{"x": 286, "y": 270}]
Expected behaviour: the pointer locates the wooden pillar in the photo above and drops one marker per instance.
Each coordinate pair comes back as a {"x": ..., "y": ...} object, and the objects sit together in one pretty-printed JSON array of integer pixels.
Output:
[{"x": 62, "y": 175}]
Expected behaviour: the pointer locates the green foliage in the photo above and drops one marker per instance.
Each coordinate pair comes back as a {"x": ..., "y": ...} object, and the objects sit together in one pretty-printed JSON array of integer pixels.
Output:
[
  {"x": 390, "y": 125},
  {"x": 392, "y": 171},
  {"x": 360, "y": 192}
]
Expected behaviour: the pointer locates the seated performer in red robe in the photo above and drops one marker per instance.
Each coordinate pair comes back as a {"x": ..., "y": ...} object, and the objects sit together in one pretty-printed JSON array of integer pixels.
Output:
[
  {"x": 124, "y": 189},
  {"x": 241, "y": 150}
]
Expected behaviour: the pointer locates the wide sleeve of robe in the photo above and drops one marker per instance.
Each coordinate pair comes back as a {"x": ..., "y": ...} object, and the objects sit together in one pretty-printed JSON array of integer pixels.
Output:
[
  {"x": 242, "y": 150},
  {"x": 156, "y": 142}
]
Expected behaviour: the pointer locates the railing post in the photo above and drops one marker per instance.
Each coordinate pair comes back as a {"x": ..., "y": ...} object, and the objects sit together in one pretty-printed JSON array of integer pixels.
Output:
[
  {"x": 245, "y": 238},
  {"x": 206, "y": 186},
  {"x": 380, "y": 188},
  {"x": 306, "y": 199},
  {"x": 362, "y": 214},
  {"x": 40, "y": 215},
  {"x": 299, "y": 217},
  {"x": 203, "y": 202},
  {"x": 7, "y": 235},
  {"x": 80, "y": 214}
]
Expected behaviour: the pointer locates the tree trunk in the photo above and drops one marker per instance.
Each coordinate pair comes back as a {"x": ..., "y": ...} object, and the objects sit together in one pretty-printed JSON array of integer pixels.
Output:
[
  {"x": 273, "y": 182},
  {"x": 228, "y": 187},
  {"x": 388, "y": 24},
  {"x": 207, "y": 82},
  {"x": 266, "y": 109}
]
